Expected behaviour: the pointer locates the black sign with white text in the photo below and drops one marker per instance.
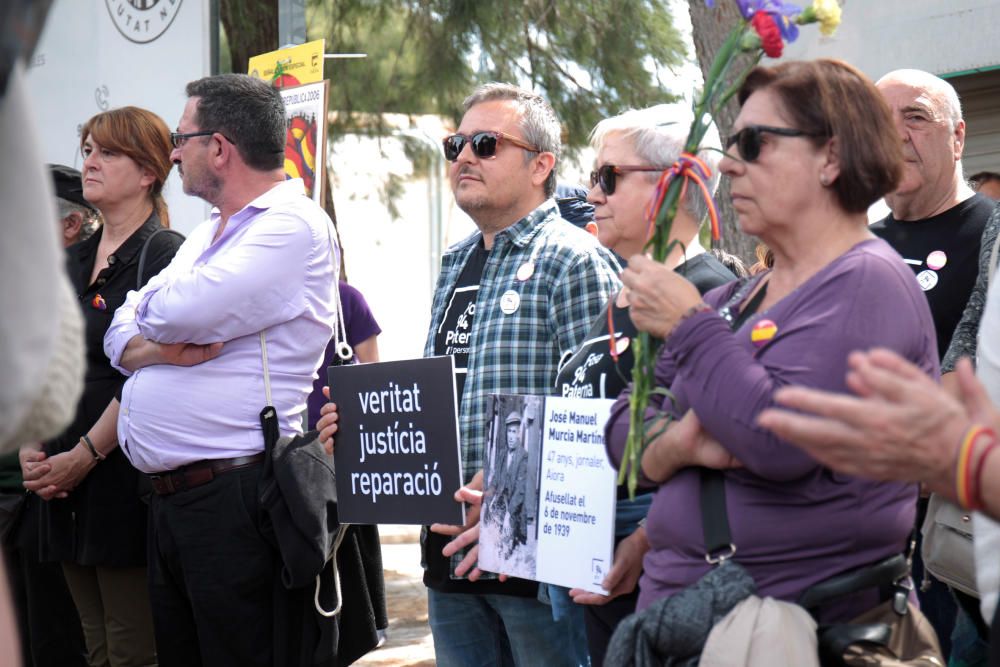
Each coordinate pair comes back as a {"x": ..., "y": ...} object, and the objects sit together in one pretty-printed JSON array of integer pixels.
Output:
[{"x": 396, "y": 449}]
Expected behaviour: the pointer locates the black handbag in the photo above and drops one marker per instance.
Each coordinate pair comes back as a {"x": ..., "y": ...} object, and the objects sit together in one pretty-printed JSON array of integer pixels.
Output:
[{"x": 298, "y": 495}]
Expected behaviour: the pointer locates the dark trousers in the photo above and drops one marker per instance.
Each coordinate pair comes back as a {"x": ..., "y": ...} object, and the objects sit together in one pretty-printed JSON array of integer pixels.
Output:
[
  {"x": 995, "y": 639},
  {"x": 48, "y": 620},
  {"x": 211, "y": 575},
  {"x": 600, "y": 621}
]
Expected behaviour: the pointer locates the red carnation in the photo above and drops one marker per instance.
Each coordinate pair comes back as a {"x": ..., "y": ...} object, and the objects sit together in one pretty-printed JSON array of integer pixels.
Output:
[{"x": 770, "y": 34}]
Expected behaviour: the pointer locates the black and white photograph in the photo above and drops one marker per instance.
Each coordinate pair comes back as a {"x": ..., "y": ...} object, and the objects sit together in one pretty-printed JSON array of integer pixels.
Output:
[{"x": 509, "y": 524}]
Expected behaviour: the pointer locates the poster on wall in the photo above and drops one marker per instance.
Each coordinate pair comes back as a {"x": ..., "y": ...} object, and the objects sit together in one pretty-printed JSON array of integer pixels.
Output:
[
  {"x": 292, "y": 66},
  {"x": 305, "y": 138},
  {"x": 549, "y": 491},
  {"x": 97, "y": 55}
]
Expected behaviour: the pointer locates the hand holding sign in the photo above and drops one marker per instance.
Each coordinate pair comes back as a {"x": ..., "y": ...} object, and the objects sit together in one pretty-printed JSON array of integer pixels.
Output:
[
  {"x": 467, "y": 535},
  {"x": 624, "y": 574},
  {"x": 327, "y": 424},
  {"x": 397, "y": 452}
]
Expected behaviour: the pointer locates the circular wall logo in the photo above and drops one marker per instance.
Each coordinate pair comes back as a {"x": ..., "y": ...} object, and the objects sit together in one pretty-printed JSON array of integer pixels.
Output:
[{"x": 142, "y": 21}]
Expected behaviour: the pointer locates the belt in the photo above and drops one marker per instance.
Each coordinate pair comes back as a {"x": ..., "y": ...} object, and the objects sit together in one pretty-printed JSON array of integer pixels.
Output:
[{"x": 198, "y": 473}]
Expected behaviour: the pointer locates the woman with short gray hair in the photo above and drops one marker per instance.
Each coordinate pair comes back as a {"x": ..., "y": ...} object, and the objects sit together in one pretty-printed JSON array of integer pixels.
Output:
[{"x": 633, "y": 149}]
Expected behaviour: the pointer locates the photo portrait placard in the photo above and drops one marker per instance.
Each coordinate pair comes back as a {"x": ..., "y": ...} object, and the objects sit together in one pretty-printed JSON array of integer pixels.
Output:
[{"x": 549, "y": 491}]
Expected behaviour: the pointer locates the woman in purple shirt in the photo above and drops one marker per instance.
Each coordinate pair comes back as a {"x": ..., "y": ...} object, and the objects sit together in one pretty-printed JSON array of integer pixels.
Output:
[{"x": 815, "y": 145}]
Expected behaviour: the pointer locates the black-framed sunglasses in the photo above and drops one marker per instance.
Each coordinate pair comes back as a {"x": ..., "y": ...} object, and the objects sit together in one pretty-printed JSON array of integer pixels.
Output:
[
  {"x": 484, "y": 144},
  {"x": 178, "y": 139},
  {"x": 606, "y": 175},
  {"x": 748, "y": 140}
]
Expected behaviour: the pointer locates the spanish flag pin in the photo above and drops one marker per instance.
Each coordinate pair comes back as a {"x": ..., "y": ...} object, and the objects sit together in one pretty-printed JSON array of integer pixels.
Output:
[{"x": 763, "y": 332}]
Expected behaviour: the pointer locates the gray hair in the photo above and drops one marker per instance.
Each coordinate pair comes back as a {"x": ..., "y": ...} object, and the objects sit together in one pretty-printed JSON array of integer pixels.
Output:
[
  {"x": 943, "y": 93},
  {"x": 539, "y": 124},
  {"x": 658, "y": 134},
  {"x": 91, "y": 218}
]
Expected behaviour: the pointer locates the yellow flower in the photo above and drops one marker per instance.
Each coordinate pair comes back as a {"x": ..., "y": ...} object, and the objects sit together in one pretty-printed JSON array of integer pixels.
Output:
[{"x": 828, "y": 14}]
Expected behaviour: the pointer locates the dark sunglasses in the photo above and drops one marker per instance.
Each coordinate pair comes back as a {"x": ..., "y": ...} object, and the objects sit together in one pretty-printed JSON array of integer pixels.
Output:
[
  {"x": 178, "y": 139},
  {"x": 484, "y": 144},
  {"x": 607, "y": 176},
  {"x": 748, "y": 140}
]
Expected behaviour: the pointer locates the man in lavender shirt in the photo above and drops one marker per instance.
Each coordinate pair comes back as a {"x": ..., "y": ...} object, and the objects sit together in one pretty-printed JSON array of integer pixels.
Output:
[{"x": 264, "y": 262}]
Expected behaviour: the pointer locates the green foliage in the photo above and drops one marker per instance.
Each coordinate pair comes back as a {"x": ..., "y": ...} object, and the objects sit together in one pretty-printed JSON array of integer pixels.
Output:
[{"x": 590, "y": 58}]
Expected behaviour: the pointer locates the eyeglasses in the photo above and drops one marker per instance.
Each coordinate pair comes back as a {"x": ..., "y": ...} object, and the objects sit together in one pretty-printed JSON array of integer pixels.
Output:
[
  {"x": 607, "y": 174},
  {"x": 178, "y": 139},
  {"x": 748, "y": 141},
  {"x": 484, "y": 144}
]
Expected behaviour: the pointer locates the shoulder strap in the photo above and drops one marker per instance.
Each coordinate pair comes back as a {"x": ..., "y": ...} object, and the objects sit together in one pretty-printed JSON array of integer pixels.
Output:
[
  {"x": 139, "y": 282},
  {"x": 714, "y": 518},
  {"x": 750, "y": 308},
  {"x": 340, "y": 317}
]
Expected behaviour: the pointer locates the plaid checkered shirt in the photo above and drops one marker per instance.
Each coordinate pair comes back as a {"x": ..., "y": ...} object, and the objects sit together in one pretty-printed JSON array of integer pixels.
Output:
[{"x": 518, "y": 353}]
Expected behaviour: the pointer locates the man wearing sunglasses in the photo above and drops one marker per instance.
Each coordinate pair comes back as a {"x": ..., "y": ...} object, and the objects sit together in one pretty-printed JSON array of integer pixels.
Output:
[
  {"x": 510, "y": 300},
  {"x": 936, "y": 223}
]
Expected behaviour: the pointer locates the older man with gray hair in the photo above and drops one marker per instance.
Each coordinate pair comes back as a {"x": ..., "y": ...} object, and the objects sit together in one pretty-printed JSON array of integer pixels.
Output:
[
  {"x": 936, "y": 223},
  {"x": 936, "y": 220},
  {"x": 78, "y": 220}
]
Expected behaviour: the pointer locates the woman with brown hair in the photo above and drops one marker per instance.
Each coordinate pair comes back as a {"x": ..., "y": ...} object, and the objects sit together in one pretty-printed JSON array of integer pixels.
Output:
[
  {"x": 813, "y": 146},
  {"x": 97, "y": 530}
]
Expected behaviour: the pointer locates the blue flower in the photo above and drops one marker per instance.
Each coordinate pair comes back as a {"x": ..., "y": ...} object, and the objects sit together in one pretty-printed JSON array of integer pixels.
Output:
[
  {"x": 778, "y": 7},
  {"x": 789, "y": 30}
]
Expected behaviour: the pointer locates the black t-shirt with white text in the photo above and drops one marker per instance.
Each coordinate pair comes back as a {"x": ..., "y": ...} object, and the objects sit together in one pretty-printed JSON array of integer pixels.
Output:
[
  {"x": 943, "y": 252},
  {"x": 593, "y": 371},
  {"x": 453, "y": 337}
]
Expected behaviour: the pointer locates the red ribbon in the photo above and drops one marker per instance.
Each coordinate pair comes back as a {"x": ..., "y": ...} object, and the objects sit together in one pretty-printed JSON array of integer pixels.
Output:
[{"x": 690, "y": 168}]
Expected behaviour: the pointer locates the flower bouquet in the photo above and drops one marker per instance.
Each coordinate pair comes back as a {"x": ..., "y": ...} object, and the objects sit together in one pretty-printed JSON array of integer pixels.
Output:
[{"x": 763, "y": 30}]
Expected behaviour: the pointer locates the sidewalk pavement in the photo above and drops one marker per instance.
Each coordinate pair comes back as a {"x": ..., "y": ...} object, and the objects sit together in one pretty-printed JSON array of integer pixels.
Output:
[{"x": 409, "y": 636}]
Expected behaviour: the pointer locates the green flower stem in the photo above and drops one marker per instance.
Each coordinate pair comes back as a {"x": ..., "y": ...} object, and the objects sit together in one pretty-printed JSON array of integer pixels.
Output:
[
  {"x": 646, "y": 349},
  {"x": 733, "y": 89}
]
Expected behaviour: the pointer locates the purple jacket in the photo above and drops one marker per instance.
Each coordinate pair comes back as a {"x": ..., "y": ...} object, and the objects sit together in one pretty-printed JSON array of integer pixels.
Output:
[{"x": 794, "y": 522}]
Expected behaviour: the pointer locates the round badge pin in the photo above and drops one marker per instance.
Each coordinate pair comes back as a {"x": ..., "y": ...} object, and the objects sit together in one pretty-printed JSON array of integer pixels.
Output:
[
  {"x": 526, "y": 270},
  {"x": 763, "y": 332},
  {"x": 928, "y": 280},
  {"x": 99, "y": 303},
  {"x": 510, "y": 301},
  {"x": 936, "y": 260},
  {"x": 622, "y": 344}
]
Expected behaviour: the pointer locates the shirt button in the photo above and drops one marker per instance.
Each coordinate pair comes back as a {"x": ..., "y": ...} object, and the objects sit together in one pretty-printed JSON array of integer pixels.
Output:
[
  {"x": 111, "y": 260},
  {"x": 101, "y": 281}
]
